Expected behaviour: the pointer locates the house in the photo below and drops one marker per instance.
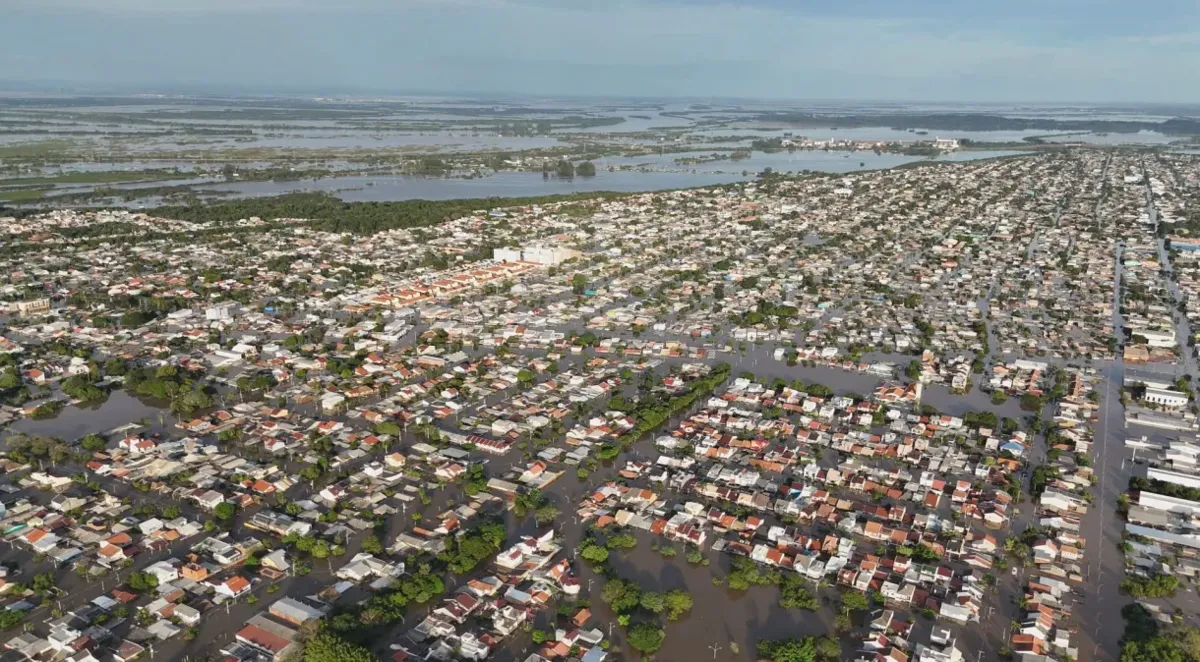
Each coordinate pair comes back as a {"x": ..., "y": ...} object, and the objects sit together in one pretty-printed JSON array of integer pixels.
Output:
[
  {"x": 233, "y": 587},
  {"x": 295, "y": 611}
]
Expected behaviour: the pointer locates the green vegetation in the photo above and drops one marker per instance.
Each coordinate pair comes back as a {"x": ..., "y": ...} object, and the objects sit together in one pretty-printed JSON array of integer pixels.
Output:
[
  {"x": 1162, "y": 487},
  {"x": 167, "y": 382},
  {"x": 793, "y": 594},
  {"x": 626, "y": 598},
  {"x": 48, "y": 409},
  {"x": 102, "y": 177},
  {"x": 806, "y": 649},
  {"x": 656, "y": 407},
  {"x": 1155, "y": 586},
  {"x": 334, "y": 215},
  {"x": 746, "y": 573},
  {"x": 593, "y": 552},
  {"x": 466, "y": 551},
  {"x": 537, "y": 503},
  {"x": 23, "y": 195},
  {"x": 1146, "y": 641},
  {"x": 1042, "y": 475},
  {"x": 476, "y": 479},
  {"x": 329, "y": 647},
  {"x": 621, "y": 541},
  {"x": 142, "y": 581},
  {"x": 646, "y": 637}
]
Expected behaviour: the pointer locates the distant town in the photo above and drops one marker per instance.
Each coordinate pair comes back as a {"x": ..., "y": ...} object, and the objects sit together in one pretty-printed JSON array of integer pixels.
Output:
[{"x": 936, "y": 413}]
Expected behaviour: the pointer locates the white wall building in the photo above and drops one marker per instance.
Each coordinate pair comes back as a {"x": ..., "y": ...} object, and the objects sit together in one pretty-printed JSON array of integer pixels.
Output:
[
  {"x": 1172, "y": 399},
  {"x": 536, "y": 253}
]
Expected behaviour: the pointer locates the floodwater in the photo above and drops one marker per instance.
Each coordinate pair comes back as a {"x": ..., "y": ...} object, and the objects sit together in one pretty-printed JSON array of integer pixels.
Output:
[
  {"x": 118, "y": 409},
  {"x": 522, "y": 184},
  {"x": 785, "y": 161},
  {"x": 504, "y": 184},
  {"x": 1139, "y": 138},
  {"x": 449, "y": 141},
  {"x": 871, "y": 133}
]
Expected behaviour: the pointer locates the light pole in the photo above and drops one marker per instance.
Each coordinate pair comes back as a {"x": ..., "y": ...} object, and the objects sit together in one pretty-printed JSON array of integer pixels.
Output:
[{"x": 714, "y": 648}]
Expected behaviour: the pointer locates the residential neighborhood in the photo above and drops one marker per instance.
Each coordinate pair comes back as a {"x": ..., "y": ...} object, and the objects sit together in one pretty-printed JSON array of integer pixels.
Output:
[{"x": 943, "y": 413}]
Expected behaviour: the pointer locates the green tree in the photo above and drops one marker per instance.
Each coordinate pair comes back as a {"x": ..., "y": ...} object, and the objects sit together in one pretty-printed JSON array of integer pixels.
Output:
[
  {"x": 622, "y": 596},
  {"x": 653, "y": 602},
  {"x": 329, "y": 647},
  {"x": 142, "y": 581},
  {"x": 678, "y": 602},
  {"x": 646, "y": 637},
  {"x": 854, "y": 601},
  {"x": 93, "y": 443},
  {"x": 225, "y": 511},
  {"x": 387, "y": 427},
  {"x": 827, "y": 649},
  {"x": 593, "y": 552},
  {"x": 43, "y": 582},
  {"x": 372, "y": 544},
  {"x": 789, "y": 650}
]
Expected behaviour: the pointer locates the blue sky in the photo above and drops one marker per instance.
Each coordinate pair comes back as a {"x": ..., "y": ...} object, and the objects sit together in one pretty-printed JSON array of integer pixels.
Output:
[{"x": 965, "y": 50}]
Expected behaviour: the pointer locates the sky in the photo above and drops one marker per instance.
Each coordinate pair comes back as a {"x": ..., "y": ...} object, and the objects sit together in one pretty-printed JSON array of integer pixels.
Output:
[{"x": 909, "y": 50}]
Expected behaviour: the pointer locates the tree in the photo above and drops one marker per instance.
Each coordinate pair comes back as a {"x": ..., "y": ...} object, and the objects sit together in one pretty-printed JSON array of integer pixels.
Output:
[
  {"x": 142, "y": 581},
  {"x": 9, "y": 379},
  {"x": 621, "y": 541},
  {"x": 93, "y": 443},
  {"x": 171, "y": 511},
  {"x": 653, "y": 602},
  {"x": 828, "y": 649},
  {"x": 622, "y": 596},
  {"x": 913, "y": 371},
  {"x": 546, "y": 513},
  {"x": 565, "y": 169},
  {"x": 678, "y": 602},
  {"x": 586, "y": 169},
  {"x": 10, "y": 617},
  {"x": 320, "y": 549},
  {"x": 854, "y": 601},
  {"x": 329, "y": 647},
  {"x": 789, "y": 650},
  {"x": 387, "y": 427},
  {"x": 646, "y": 637},
  {"x": 372, "y": 544},
  {"x": 578, "y": 283},
  {"x": 1156, "y": 649},
  {"x": 1156, "y": 586},
  {"x": 43, "y": 582},
  {"x": 225, "y": 511},
  {"x": 593, "y": 552},
  {"x": 793, "y": 594}
]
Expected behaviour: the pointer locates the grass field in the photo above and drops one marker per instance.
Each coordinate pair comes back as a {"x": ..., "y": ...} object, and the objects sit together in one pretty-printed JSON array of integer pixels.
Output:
[
  {"x": 104, "y": 177},
  {"x": 23, "y": 195}
]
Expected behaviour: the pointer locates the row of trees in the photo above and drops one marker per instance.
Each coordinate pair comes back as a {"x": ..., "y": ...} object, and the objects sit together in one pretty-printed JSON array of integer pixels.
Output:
[{"x": 330, "y": 213}]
